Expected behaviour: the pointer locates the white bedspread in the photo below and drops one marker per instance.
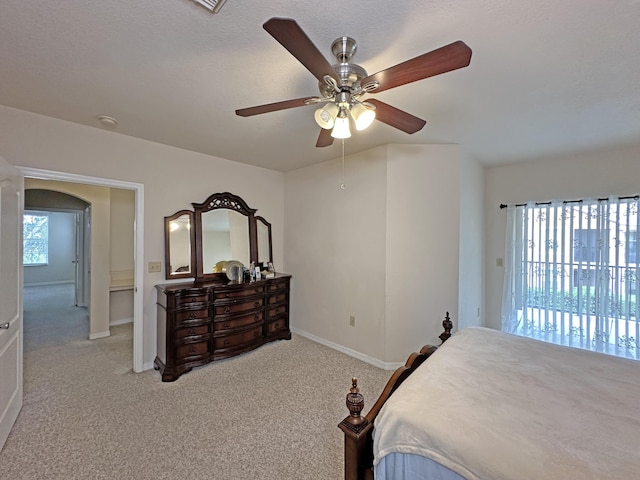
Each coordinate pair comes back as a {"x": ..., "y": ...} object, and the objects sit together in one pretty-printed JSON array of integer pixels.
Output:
[{"x": 491, "y": 406}]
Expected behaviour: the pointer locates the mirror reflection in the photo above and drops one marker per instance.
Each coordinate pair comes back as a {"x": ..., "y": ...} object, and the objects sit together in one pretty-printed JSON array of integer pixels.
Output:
[
  {"x": 264, "y": 240},
  {"x": 179, "y": 245},
  {"x": 225, "y": 236}
]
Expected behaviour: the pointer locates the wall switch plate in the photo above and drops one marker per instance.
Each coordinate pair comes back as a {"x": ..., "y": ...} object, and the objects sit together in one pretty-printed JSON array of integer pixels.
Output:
[
  {"x": 155, "y": 267},
  {"x": 499, "y": 262},
  {"x": 352, "y": 321}
]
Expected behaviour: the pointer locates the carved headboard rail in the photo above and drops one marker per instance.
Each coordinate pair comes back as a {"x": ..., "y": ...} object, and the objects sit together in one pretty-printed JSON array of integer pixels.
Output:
[{"x": 358, "y": 429}]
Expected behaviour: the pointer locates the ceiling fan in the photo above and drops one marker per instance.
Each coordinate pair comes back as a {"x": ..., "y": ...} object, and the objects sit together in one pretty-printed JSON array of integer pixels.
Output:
[{"x": 341, "y": 85}]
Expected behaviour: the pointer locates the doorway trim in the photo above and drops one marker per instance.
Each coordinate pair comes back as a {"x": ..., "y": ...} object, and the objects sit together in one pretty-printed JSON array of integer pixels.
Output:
[{"x": 138, "y": 243}]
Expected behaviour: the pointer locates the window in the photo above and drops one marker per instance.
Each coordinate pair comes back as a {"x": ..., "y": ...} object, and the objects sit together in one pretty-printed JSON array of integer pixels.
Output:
[
  {"x": 585, "y": 244},
  {"x": 632, "y": 238},
  {"x": 571, "y": 274},
  {"x": 36, "y": 238}
]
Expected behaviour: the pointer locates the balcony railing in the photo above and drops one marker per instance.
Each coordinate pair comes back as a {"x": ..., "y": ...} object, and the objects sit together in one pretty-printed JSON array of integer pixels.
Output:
[{"x": 581, "y": 306}]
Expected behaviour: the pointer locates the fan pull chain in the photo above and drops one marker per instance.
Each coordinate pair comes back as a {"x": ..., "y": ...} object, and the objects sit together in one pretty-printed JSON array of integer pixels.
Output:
[{"x": 342, "y": 185}]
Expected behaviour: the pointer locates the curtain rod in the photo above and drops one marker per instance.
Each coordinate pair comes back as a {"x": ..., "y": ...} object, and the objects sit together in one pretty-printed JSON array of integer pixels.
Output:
[{"x": 504, "y": 205}]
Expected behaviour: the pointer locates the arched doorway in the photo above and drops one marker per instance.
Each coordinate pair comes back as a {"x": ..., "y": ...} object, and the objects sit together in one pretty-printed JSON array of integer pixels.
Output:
[{"x": 138, "y": 281}]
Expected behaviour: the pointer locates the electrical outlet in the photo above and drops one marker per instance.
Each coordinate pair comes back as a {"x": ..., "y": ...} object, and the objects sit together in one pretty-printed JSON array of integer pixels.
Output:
[
  {"x": 352, "y": 321},
  {"x": 155, "y": 267}
]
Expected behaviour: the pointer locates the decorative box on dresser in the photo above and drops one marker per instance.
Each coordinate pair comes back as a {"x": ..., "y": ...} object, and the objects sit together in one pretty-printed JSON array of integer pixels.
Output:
[{"x": 199, "y": 322}]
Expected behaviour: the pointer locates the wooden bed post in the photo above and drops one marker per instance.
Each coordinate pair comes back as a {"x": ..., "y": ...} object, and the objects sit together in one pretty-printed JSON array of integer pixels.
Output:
[
  {"x": 358, "y": 429},
  {"x": 358, "y": 452},
  {"x": 447, "y": 324}
]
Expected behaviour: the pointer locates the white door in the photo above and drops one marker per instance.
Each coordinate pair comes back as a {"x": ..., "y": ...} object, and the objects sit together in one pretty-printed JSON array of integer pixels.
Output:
[{"x": 11, "y": 208}]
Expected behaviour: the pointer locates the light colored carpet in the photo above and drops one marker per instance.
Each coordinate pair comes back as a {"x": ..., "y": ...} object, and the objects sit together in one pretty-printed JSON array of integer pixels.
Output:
[{"x": 268, "y": 414}]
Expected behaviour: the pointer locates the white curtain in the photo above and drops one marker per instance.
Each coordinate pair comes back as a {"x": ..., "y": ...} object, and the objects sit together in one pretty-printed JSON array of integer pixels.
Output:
[{"x": 571, "y": 274}]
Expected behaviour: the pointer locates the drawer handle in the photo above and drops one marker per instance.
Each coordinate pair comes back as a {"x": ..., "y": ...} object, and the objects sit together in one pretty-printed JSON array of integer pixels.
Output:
[
  {"x": 227, "y": 310},
  {"x": 255, "y": 334},
  {"x": 193, "y": 350},
  {"x": 192, "y": 315},
  {"x": 226, "y": 343},
  {"x": 256, "y": 317},
  {"x": 225, "y": 325},
  {"x": 256, "y": 304},
  {"x": 276, "y": 325},
  {"x": 192, "y": 331}
]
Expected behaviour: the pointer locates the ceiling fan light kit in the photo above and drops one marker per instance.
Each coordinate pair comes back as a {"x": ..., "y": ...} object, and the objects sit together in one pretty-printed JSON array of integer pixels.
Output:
[
  {"x": 363, "y": 115},
  {"x": 341, "y": 85},
  {"x": 341, "y": 127},
  {"x": 326, "y": 116}
]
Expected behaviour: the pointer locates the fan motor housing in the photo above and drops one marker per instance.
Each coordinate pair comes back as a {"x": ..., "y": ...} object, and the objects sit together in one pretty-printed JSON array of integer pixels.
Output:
[{"x": 349, "y": 74}]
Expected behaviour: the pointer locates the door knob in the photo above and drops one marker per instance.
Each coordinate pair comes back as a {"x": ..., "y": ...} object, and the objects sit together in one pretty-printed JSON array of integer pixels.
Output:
[{"x": 4, "y": 326}]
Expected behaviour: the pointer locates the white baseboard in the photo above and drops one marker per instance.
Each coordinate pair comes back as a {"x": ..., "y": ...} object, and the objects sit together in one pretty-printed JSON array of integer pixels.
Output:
[
  {"x": 148, "y": 366},
  {"x": 95, "y": 336},
  {"x": 121, "y": 321},
  {"x": 352, "y": 353}
]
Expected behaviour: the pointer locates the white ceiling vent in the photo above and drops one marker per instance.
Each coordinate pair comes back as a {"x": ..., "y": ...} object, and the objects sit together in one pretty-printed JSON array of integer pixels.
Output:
[{"x": 212, "y": 5}]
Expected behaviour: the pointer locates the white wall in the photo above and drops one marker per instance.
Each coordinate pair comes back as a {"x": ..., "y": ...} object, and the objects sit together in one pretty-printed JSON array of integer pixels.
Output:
[
  {"x": 122, "y": 229},
  {"x": 172, "y": 179},
  {"x": 60, "y": 268},
  {"x": 471, "y": 257},
  {"x": 422, "y": 260},
  {"x": 335, "y": 249},
  {"x": 592, "y": 174},
  {"x": 384, "y": 250}
]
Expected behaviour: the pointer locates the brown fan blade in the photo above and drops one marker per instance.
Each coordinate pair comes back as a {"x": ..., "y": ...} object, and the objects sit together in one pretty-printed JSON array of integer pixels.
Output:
[
  {"x": 397, "y": 118},
  {"x": 444, "y": 59},
  {"x": 272, "y": 107},
  {"x": 324, "y": 139},
  {"x": 292, "y": 37}
]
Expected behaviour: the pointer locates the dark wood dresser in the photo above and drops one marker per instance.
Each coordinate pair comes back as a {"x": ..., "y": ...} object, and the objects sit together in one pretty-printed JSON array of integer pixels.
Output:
[{"x": 206, "y": 321}]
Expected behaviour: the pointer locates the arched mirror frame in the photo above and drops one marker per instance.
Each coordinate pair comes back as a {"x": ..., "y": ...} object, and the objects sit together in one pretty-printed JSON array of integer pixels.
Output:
[
  {"x": 167, "y": 246},
  {"x": 228, "y": 201}
]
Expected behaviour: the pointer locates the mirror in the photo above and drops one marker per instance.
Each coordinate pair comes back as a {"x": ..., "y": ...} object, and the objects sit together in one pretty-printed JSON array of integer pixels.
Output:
[
  {"x": 225, "y": 236},
  {"x": 265, "y": 253},
  {"x": 221, "y": 228},
  {"x": 225, "y": 230},
  {"x": 179, "y": 241}
]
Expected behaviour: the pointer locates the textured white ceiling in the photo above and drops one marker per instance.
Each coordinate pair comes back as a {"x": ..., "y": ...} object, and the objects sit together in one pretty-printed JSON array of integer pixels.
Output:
[{"x": 546, "y": 77}]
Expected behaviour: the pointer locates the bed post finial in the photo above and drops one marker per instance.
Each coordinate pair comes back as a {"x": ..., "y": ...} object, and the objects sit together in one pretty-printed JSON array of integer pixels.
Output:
[
  {"x": 355, "y": 403},
  {"x": 447, "y": 325}
]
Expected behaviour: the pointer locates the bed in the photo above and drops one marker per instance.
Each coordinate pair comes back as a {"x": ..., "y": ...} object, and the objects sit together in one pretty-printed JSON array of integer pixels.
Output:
[{"x": 491, "y": 405}]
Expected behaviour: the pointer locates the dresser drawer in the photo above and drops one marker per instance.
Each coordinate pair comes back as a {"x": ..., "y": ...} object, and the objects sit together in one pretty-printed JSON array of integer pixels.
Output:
[
  {"x": 278, "y": 298},
  {"x": 238, "y": 339},
  {"x": 191, "y": 296},
  {"x": 192, "y": 331},
  {"x": 238, "y": 306},
  {"x": 238, "y": 292},
  {"x": 237, "y": 322},
  {"x": 278, "y": 285},
  {"x": 275, "y": 311},
  {"x": 192, "y": 314},
  {"x": 277, "y": 325},
  {"x": 192, "y": 351}
]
